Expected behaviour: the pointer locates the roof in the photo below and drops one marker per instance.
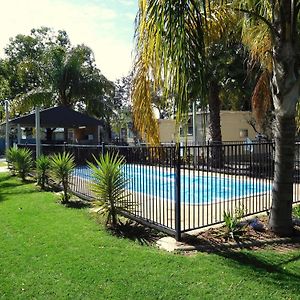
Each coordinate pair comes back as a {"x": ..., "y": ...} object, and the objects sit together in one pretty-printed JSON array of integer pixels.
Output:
[{"x": 59, "y": 116}]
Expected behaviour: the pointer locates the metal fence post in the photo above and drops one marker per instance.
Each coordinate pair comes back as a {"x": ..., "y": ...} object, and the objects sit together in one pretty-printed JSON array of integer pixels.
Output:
[{"x": 177, "y": 194}]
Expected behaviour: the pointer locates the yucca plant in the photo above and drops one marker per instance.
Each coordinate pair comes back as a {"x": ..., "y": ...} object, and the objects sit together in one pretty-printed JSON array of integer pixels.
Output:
[
  {"x": 62, "y": 166},
  {"x": 11, "y": 157},
  {"x": 23, "y": 162},
  {"x": 109, "y": 186},
  {"x": 233, "y": 225},
  {"x": 42, "y": 170}
]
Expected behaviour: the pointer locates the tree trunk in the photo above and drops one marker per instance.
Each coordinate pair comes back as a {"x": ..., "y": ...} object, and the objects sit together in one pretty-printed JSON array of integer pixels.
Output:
[
  {"x": 285, "y": 93},
  {"x": 282, "y": 195},
  {"x": 49, "y": 132},
  {"x": 217, "y": 155}
]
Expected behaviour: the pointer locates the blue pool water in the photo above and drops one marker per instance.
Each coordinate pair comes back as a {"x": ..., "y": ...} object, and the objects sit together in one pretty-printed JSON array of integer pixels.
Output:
[{"x": 193, "y": 189}]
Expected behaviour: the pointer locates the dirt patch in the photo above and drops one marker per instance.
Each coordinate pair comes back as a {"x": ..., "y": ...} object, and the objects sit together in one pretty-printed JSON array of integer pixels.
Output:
[{"x": 215, "y": 239}]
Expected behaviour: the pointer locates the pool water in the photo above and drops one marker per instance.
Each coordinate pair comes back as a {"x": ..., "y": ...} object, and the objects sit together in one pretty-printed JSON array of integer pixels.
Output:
[{"x": 196, "y": 189}]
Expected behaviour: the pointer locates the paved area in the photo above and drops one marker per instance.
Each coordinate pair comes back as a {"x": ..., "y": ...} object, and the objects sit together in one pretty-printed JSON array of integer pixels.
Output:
[{"x": 3, "y": 168}]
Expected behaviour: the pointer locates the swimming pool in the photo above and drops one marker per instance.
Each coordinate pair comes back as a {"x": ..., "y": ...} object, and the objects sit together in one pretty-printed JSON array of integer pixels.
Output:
[{"x": 195, "y": 188}]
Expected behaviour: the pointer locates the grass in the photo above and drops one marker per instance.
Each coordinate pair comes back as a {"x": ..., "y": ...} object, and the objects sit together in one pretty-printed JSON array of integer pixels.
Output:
[{"x": 52, "y": 252}]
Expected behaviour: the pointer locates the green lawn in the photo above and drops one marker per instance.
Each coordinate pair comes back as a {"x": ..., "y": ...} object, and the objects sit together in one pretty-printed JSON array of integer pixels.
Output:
[{"x": 48, "y": 251}]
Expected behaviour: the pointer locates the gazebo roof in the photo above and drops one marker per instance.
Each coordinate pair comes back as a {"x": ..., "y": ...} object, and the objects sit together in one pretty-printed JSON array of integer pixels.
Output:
[{"x": 58, "y": 117}]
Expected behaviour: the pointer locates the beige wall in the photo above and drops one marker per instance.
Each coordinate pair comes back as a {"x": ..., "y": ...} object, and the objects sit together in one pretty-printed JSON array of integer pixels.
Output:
[
  {"x": 166, "y": 130},
  {"x": 232, "y": 123}
]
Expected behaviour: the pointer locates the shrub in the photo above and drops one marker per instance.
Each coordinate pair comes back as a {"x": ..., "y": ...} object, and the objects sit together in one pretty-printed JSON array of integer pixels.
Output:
[
  {"x": 62, "y": 166},
  {"x": 296, "y": 211},
  {"x": 109, "y": 186},
  {"x": 20, "y": 161},
  {"x": 233, "y": 225},
  {"x": 42, "y": 170},
  {"x": 11, "y": 158}
]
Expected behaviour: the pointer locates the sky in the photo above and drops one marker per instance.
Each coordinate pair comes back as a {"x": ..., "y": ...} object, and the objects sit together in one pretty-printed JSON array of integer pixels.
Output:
[{"x": 106, "y": 26}]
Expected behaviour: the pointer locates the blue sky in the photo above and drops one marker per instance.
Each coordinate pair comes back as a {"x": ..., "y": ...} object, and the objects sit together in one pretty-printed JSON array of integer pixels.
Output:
[{"x": 107, "y": 26}]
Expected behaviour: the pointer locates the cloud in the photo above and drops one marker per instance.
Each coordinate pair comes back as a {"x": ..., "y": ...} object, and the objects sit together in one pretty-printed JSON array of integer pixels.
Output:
[{"x": 97, "y": 25}]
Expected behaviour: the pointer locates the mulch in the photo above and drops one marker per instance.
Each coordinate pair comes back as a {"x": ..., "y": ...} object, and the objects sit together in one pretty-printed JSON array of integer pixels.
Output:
[{"x": 215, "y": 240}]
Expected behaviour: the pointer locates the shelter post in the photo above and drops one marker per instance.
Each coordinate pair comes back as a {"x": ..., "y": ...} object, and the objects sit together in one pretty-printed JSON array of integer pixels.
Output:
[
  {"x": 99, "y": 134},
  {"x": 6, "y": 126},
  {"x": 19, "y": 133},
  {"x": 37, "y": 132}
]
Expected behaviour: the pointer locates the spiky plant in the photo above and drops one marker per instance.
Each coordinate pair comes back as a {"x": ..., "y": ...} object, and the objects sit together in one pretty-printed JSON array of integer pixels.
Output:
[
  {"x": 109, "y": 186},
  {"x": 11, "y": 156},
  {"x": 62, "y": 166},
  {"x": 23, "y": 162},
  {"x": 232, "y": 223},
  {"x": 42, "y": 170}
]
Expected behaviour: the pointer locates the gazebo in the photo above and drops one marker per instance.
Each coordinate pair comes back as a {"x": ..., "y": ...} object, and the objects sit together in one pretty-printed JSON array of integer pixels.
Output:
[{"x": 86, "y": 129}]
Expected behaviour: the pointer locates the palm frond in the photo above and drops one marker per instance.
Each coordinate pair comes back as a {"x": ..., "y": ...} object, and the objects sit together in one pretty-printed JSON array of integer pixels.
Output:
[
  {"x": 35, "y": 97},
  {"x": 170, "y": 44},
  {"x": 110, "y": 186},
  {"x": 257, "y": 39},
  {"x": 261, "y": 97}
]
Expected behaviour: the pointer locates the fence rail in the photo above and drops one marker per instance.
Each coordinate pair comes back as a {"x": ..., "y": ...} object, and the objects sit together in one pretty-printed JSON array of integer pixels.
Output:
[{"x": 179, "y": 189}]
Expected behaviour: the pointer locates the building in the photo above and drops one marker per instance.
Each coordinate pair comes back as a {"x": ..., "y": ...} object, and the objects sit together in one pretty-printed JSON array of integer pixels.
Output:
[{"x": 235, "y": 126}]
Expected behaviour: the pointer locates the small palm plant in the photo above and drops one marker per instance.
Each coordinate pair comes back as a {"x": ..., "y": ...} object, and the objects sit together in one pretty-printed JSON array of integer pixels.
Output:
[
  {"x": 42, "y": 170},
  {"x": 109, "y": 186},
  {"x": 62, "y": 166},
  {"x": 21, "y": 160},
  {"x": 233, "y": 226},
  {"x": 11, "y": 157}
]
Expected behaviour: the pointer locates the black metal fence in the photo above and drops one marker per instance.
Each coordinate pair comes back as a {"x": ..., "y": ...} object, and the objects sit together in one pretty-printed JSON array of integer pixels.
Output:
[{"x": 179, "y": 189}]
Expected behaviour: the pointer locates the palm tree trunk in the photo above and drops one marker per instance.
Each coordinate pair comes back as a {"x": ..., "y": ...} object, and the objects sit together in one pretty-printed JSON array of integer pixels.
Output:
[
  {"x": 282, "y": 196},
  {"x": 285, "y": 93},
  {"x": 217, "y": 159}
]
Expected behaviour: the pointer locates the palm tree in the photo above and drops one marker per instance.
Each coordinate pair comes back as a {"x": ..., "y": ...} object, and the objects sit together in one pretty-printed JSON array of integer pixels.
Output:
[
  {"x": 62, "y": 166},
  {"x": 69, "y": 79},
  {"x": 109, "y": 185},
  {"x": 171, "y": 49}
]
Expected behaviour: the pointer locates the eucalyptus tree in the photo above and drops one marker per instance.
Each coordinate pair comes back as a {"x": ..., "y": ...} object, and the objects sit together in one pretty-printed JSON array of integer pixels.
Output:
[{"x": 171, "y": 49}]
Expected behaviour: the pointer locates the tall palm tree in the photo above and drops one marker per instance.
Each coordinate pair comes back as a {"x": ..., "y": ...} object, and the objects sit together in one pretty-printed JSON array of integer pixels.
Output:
[
  {"x": 171, "y": 49},
  {"x": 68, "y": 78}
]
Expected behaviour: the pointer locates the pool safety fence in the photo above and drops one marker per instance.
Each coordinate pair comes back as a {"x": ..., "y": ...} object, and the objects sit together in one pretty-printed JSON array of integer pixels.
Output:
[{"x": 184, "y": 188}]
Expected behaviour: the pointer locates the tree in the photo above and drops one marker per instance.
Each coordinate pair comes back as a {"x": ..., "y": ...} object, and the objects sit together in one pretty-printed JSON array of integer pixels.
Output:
[
  {"x": 171, "y": 45},
  {"x": 122, "y": 109},
  {"x": 45, "y": 69},
  {"x": 53, "y": 72}
]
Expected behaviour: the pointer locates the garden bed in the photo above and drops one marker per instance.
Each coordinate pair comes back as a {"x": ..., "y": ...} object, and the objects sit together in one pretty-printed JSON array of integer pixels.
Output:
[{"x": 214, "y": 239}]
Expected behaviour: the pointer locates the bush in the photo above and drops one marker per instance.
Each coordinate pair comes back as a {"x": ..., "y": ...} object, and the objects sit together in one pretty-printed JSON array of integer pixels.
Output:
[
  {"x": 20, "y": 161},
  {"x": 109, "y": 186},
  {"x": 42, "y": 170},
  {"x": 296, "y": 211},
  {"x": 11, "y": 158},
  {"x": 62, "y": 166},
  {"x": 233, "y": 226}
]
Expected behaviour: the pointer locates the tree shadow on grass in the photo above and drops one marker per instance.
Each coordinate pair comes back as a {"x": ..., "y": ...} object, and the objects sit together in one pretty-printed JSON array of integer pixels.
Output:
[
  {"x": 271, "y": 271},
  {"x": 274, "y": 273},
  {"x": 136, "y": 232},
  {"x": 6, "y": 185}
]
